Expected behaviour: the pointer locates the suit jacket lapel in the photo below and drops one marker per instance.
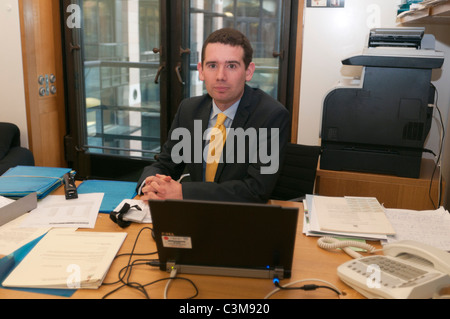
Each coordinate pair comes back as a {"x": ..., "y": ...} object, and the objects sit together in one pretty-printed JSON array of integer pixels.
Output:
[
  {"x": 203, "y": 115},
  {"x": 243, "y": 112}
]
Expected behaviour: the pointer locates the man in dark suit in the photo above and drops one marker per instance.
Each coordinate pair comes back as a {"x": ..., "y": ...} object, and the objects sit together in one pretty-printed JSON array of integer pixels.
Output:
[{"x": 257, "y": 132}]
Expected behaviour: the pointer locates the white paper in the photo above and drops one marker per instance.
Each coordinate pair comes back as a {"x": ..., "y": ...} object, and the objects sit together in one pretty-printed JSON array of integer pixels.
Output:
[
  {"x": 57, "y": 211},
  {"x": 63, "y": 259},
  {"x": 351, "y": 214},
  {"x": 431, "y": 227},
  {"x": 311, "y": 226},
  {"x": 13, "y": 236}
]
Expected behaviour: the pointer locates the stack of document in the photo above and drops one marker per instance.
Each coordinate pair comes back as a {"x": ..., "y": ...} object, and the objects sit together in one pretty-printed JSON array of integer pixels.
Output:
[
  {"x": 359, "y": 217},
  {"x": 66, "y": 259}
]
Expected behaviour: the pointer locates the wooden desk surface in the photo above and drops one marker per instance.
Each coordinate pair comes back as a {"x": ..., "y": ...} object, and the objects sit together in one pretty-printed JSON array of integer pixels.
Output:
[{"x": 310, "y": 261}]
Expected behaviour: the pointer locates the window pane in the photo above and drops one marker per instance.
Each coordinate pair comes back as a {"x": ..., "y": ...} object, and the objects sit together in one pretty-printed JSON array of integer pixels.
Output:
[
  {"x": 259, "y": 20},
  {"x": 122, "y": 99}
]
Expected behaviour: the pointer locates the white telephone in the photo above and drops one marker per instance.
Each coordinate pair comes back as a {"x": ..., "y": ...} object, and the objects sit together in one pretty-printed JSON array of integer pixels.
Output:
[{"x": 408, "y": 269}]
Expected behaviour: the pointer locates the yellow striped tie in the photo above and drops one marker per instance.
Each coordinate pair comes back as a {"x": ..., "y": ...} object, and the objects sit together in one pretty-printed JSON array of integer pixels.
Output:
[{"x": 218, "y": 137}]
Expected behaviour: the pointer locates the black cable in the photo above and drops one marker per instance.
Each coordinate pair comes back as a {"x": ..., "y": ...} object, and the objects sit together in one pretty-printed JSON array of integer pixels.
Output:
[
  {"x": 304, "y": 287},
  {"x": 426, "y": 150},
  {"x": 131, "y": 254},
  {"x": 438, "y": 156},
  {"x": 141, "y": 287},
  {"x": 125, "y": 272}
]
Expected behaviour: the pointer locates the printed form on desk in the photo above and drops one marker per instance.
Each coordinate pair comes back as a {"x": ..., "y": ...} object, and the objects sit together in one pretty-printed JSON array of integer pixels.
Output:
[
  {"x": 311, "y": 225},
  {"x": 351, "y": 214},
  {"x": 431, "y": 227},
  {"x": 57, "y": 211},
  {"x": 13, "y": 235}
]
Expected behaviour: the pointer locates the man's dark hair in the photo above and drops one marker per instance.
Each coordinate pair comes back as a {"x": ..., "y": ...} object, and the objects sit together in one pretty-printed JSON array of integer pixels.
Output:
[{"x": 231, "y": 37}]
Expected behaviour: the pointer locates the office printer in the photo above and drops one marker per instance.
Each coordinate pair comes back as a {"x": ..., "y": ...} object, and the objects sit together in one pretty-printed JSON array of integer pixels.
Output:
[{"x": 379, "y": 124}]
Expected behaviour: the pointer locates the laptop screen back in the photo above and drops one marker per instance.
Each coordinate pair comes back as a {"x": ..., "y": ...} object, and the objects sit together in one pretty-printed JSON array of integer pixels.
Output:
[{"x": 226, "y": 236}]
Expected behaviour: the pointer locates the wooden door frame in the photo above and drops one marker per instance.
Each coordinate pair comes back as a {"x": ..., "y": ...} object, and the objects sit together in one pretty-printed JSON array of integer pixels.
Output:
[
  {"x": 42, "y": 55},
  {"x": 297, "y": 73}
]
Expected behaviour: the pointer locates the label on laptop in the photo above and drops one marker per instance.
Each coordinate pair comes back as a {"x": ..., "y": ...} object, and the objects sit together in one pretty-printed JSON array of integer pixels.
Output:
[{"x": 176, "y": 242}]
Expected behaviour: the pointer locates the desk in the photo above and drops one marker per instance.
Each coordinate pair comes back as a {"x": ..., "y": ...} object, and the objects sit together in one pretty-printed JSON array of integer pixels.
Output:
[
  {"x": 310, "y": 261},
  {"x": 391, "y": 191}
]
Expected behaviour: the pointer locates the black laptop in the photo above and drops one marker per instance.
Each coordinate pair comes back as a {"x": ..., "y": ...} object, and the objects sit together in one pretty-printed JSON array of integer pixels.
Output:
[{"x": 223, "y": 238}]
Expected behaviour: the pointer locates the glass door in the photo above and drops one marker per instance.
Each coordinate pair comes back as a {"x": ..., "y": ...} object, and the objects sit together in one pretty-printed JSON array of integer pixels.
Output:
[
  {"x": 120, "y": 67},
  {"x": 129, "y": 63},
  {"x": 115, "y": 58}
]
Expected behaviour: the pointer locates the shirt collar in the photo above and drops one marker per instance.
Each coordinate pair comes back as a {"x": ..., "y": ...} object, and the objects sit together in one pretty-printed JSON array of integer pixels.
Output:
[{"x": 229, "y": 112}]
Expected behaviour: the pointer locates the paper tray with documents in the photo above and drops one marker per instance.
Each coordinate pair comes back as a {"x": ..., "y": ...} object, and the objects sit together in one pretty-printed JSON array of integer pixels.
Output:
[{"x": 339, "y": 216}]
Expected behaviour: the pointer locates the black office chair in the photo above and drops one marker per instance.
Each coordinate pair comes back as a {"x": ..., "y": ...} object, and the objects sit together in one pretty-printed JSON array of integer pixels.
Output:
[
  {"x": 11, "y": 153},
  {"x": 298, "y": 172}
]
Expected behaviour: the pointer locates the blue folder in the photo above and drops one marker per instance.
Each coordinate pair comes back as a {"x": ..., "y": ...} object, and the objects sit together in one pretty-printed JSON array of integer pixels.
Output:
[
  {"x": 114, "y": 192},
  {"x": 20, "y": 181}
]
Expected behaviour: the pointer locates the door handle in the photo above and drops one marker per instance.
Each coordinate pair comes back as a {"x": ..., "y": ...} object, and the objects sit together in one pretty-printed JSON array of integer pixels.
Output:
[
  {"x": 161, "y": 67},
  {"x": 74, "y": 47},
  {"x": 178, "y": 67},
  {"x": 178, "y": 73},
  {"x": 183, "y": 51},
  {"x": 158, "y": 73},
  {"x": 276, "y": 54}
]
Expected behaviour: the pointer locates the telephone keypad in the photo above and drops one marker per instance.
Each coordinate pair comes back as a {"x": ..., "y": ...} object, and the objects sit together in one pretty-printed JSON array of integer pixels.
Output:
[{"x": 393, "y": 273}]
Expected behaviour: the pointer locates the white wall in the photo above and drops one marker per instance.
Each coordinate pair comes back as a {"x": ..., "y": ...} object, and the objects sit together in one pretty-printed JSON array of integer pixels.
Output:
[
  {"x": 12, "y": 94},
  {"x": 333, "y": 34}
]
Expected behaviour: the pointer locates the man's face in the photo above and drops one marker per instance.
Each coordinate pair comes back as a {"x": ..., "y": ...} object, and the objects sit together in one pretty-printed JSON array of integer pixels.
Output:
[{"x": 224, "y": 73}]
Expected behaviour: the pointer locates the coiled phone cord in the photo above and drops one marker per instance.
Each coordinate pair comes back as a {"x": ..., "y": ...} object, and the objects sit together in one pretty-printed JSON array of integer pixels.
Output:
[{"x": 330, "y": 243}]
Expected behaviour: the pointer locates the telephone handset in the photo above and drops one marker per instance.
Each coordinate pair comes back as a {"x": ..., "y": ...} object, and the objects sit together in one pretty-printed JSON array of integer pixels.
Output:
[
  {"x": 439, "y": 259},
  {"x": 408, "y": 269}
]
